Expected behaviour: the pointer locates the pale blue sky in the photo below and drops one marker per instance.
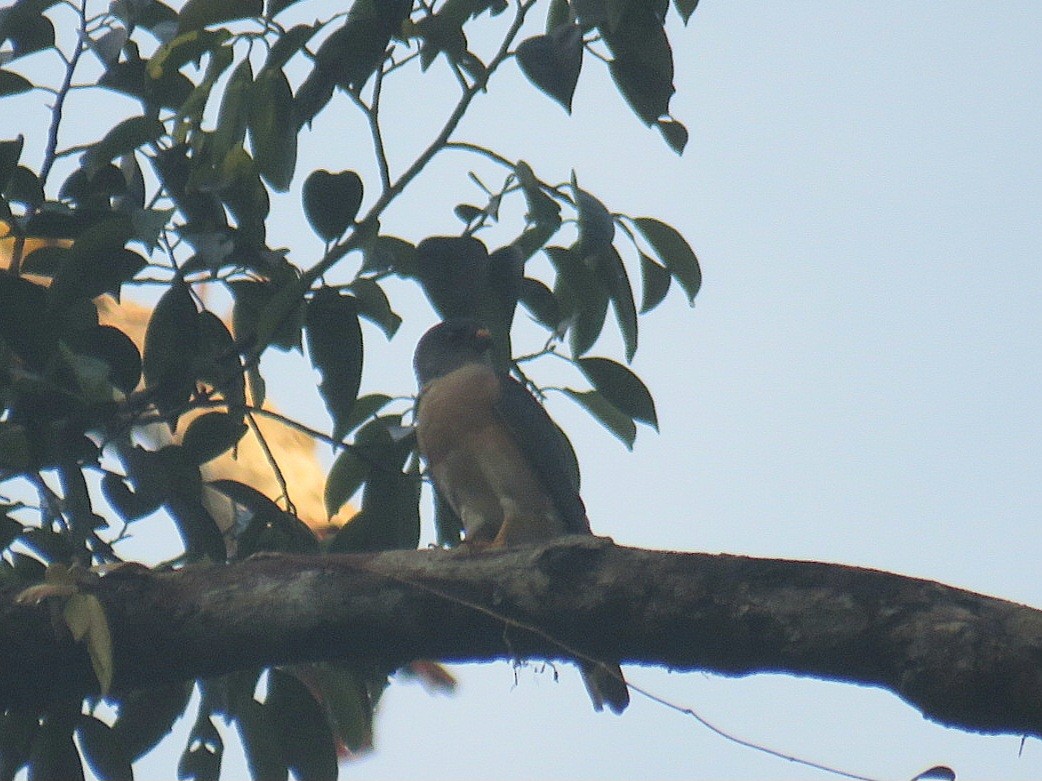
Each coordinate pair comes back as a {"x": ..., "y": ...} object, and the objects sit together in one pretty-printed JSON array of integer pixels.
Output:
[{"x": 859, "y": 380}]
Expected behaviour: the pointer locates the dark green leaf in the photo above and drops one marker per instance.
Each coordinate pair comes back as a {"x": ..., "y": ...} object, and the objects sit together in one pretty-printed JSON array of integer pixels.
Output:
[
  {"x": 612, "y": 273},
  {"x": 201, "y": 760},
  {"x": 621, "y": 387},
  {"x": 255, "y": 307},
  {"x": 596, "y": 226},
  {"x": 10, "y": 151},
  {"x": 196, "y": 14},
  {"x": 390, "y": 502},
  {"x": 936, "y": 773},
  {"x": 674, "y": 252},
  {"x": 129, "y": 504},
  {"x": 24, "y": 186},
  {"x": 12, "y": 83},
  {"x": 365, "y": 407},
  {"x": 18, "y": 729},
  {"x": 685, "y": 8},
  {"x": 217, "y": 361},
  {"x": 541, "y": 302},
  {"x": 288, "y": 44},
  {"x": 674, "y": 133},
  {"x": 347, "y": 701},
  {"x": 557, "y": 14},
  {"x": 234, "y": 114},
  {"x": 260, "y": 742},
  {"x": 467, "y": 213},
  {"x": 374, "y": 306},
  {"x": 115, "y": 349},
  {"x": 26, "y": 327},
  {"x": 96, "y": 263},
  {"x": 302, "y": 728},
  {"x": 171, "y": 341},
  {"x": 454, "y": 273},
  {"x": 385, "y": 253},
  {"x": 54, "y": 756},
  {"x": 25, "y": 26},
  {"x": 125, "y": 137},
  {"x": 169, "y": 475},
  {"x": 273, "y": 128},
  {"x": 187, "y": 47},
  {"x": 146, "y": 716},
  {"x": 331, "y": 202},
  {"x": 211, "y": 434},
  {"x": 643, "y": 62},
  {"x": 582, "y": 297},
  {"x": 278, "y": 6},
  {"x": 103, "y": 750},
  {"x": 270, "y": 527},
  {"x": 334, "y": 338},
  {"x": 552, "y": 62},
  {"x": 9, "y": 529},
  {"x": 656, "y": 283},
  {"x": 607, "y": 414},
  {"x": 346, "y": 476}
]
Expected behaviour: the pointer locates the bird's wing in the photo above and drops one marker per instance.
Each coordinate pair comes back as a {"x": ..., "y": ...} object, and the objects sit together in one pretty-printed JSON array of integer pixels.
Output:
[{"x": 545, "y": 449}]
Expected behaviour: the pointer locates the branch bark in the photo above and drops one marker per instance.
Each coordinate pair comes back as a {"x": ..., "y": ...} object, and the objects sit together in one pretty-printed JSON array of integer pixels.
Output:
[{"x": 963, "y": 659}]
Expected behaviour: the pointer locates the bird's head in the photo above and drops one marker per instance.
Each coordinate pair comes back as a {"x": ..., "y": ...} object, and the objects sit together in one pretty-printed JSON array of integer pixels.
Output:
[{"x": 450, "y": 345}]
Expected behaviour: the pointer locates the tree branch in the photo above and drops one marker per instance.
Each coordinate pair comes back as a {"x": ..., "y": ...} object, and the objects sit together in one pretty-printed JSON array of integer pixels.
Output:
[{"x": 963, "y": 659}]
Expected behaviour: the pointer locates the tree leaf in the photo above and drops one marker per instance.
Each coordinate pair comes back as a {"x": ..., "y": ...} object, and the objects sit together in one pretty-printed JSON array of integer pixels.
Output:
[
  {"x": 217, "y": 361},
  {"x": 103, "y": 750},
  {"x": 10, "y": 151},
  {"x": 234, "y": 115},
  {"x": 607, "y": 414},
  {"x": 196, "y": 14},
  {"x": 171, "y": 341},
  {"x": 345, "y": 477},
  {"x": 621, "y": 387},
  {"x": 260, "y": 741},
  {"x": 302, "y": 728},
  {"x": 674, "y": 133},
  {"x": 596, "y": 226},
  {"x": 270, "y": 528},
  {"x": 331, "y": 202},
  {"x": 612, "y": 273},
  {"x": 656, "y": 280},
  {"x": 348, "y": 704},
  {"x": 147, "y": 715},
  {"x": 12, "y": 83},
  {"x": 674, "y": 252},
  {"x": 642, "y": 63},
  {"x": 552, "y": 62},
  {"x": 211, "y": 434},
  {"x": 273, "y": 128},
  {"x": 583, "y": 299},
  {"x": 334, "y": 338},
  {"x": 374, "y": 306},
  {"x": 86, "y": 620},
  {"x": 268, "y": 313},
  {"x": 540, "y": 301},
  {"x": 54, "y": 755},
  {"x": 125, "y": 137},
  {"x": 685, "y": 8},
  {"x": 201, "y": 760}
]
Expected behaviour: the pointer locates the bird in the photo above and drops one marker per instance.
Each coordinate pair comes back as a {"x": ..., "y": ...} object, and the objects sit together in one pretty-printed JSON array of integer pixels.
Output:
[{"x": 498, "y": 460}]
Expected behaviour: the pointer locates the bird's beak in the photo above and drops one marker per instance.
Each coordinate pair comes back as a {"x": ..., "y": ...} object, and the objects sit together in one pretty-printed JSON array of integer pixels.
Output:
[{"x": 483, "y": 336}]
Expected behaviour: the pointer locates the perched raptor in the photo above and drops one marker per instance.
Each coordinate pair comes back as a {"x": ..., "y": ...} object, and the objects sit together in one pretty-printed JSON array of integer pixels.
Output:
[{"x": 498, "y": 459}]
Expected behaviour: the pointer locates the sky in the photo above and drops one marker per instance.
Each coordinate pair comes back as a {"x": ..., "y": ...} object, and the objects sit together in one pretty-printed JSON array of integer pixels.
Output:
[{"x": 858, "y": 381}]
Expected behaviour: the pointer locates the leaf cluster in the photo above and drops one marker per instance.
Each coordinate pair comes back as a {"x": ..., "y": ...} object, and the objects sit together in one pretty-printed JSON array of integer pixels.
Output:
[{"x": 175, "y": 196}]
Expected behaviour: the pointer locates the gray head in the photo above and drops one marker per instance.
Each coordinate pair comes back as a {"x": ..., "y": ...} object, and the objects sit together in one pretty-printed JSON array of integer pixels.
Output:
[{"x": 450, "y": 345}]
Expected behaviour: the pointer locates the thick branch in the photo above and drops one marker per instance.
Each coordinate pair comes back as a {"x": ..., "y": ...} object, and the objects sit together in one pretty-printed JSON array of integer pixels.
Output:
[{"x": 963, "y": 659}]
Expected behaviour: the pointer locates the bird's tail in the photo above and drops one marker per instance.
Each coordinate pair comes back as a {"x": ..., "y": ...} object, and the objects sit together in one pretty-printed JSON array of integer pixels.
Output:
[{"x": 605, "y": 685}]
